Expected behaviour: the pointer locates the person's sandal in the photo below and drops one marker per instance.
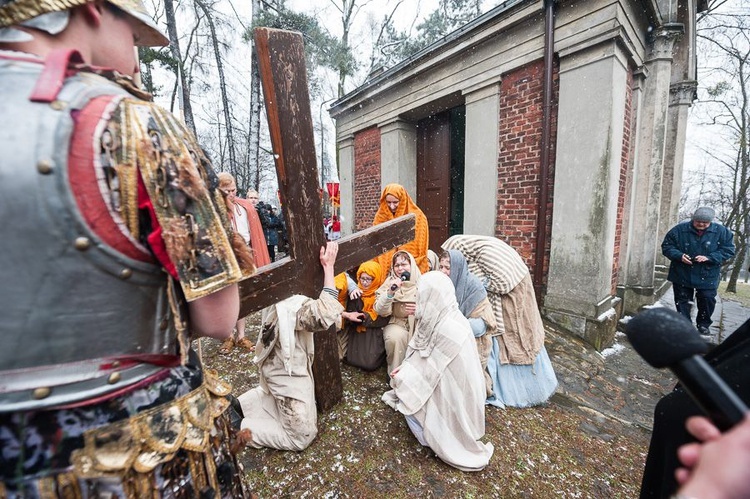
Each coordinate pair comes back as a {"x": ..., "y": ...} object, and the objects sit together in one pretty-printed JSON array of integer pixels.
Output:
[
  {"x": 226, "y": 346},
  {"x": 245, "y": 344}
]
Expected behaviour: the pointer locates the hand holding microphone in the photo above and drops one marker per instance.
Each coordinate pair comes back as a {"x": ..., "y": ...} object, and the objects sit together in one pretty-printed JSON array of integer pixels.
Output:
[
  {"x": 404, "y": 277},
  {"x": 665, "y": 338}
]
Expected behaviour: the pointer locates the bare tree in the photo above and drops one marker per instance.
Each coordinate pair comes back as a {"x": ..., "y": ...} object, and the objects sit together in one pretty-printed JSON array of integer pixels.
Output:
[
  {"x": 384, "y": 40},
  {"x": 724, "y": 105},
  {"x": 255, "y": 108},
  {"x": 233, "y": 166},
  {"x": 348, "y": 10},
  {"x": 174, "y": 46}
]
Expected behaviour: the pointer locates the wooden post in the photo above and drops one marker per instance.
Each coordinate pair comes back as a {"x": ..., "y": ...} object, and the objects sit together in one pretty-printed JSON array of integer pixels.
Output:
[{"x": 283, "y": 74}]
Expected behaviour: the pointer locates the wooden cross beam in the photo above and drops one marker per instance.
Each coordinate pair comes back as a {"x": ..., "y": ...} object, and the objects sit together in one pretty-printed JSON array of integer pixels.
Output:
[{"x": 283, "y": 73}]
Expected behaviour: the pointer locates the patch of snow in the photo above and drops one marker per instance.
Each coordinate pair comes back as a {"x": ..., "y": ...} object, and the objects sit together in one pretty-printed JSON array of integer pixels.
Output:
[
  {"x": 614, "y": 349},
  {"x": 606, "y": 315}
]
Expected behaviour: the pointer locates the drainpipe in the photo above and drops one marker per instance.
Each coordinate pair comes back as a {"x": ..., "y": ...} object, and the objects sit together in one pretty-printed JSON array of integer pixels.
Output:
[{"x": 541, "y": 219}]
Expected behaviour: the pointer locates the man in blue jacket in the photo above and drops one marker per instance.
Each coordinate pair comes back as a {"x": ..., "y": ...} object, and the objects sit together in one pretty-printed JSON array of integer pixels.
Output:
[{"x": 697, "y": 249}]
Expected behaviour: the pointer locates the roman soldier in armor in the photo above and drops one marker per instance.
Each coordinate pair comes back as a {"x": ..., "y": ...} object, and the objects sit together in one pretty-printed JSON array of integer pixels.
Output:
[{"x": 116, "y": 251}]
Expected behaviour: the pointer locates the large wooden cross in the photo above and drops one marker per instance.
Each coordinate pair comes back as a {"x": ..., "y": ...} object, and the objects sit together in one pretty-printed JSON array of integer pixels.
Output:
[{"x": 281, "y": 59}]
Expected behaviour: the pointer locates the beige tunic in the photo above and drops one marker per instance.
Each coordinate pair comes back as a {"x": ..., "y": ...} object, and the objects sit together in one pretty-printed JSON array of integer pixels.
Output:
[
  {"x": 281, "y": 412},
  {"x": 400, "y": 328},
  {"x": 484, "y": 343},
  {"x": 511, "y": 293}
]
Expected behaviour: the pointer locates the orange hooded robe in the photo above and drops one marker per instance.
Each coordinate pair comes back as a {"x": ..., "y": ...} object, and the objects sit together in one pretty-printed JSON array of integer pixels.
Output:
[{"x": 419, "y": 245}]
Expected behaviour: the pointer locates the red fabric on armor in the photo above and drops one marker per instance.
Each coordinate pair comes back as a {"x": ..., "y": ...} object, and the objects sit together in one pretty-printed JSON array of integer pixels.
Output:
[
  {"x": 85, "y": 185},
  {"x": 155, "y": 239},
  {"x": 55, "y": 70}
]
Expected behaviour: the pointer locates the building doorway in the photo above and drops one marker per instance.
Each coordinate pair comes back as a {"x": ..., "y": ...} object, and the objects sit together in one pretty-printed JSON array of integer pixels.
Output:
[{"x": 440, "y": 173}]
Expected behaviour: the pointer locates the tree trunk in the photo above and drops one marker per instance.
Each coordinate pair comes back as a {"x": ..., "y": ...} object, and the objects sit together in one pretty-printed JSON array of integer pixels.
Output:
[
  {"x": 174, "y": 47},
  {"x": 233, "y": 166},
  {"x": 734, "y": 275},
  {"x": 255, "y": 108},
  {"x": 347, "y": 14},
  {"x": 147, "y": 79}
]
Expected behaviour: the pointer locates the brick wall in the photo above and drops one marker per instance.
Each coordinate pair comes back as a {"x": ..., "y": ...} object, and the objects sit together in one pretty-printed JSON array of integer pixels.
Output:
[
  {"x": 366, "y": 177},
  {"x": 624, "y": 169},
  {"x": 519, "y": 161}
]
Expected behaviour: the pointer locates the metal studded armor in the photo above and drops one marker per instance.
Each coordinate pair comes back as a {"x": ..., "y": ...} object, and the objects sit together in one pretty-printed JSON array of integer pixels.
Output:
[{"x": 87, "y": 307}]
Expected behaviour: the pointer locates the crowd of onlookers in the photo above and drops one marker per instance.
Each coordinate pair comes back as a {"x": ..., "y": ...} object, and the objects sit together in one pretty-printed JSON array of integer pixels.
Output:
[{"x": 261, "y": 229}]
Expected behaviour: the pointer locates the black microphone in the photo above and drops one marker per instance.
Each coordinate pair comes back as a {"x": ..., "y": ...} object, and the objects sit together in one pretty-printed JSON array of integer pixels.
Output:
[
  {"x": 665, "y": 338},
  {"x": 404, "y": 277}
]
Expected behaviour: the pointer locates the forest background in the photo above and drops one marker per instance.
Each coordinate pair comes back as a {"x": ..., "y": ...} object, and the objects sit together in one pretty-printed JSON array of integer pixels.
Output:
[{"x": 208, "y": 75}]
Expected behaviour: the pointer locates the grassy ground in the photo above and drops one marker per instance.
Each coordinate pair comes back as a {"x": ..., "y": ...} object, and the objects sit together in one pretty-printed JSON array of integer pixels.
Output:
[
  {"x": 365, "y": 449},
  {"x": 742, "y": 295}
]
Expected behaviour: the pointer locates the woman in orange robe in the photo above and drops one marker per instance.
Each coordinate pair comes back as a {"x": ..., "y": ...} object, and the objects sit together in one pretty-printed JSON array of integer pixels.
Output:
[
  {"x": 365, "y": 345},
  {"x": 395, "y": 202}
]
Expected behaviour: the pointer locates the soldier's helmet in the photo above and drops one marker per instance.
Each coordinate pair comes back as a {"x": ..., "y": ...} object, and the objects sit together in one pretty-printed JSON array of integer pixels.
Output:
[{"x": 13, "y": 12}]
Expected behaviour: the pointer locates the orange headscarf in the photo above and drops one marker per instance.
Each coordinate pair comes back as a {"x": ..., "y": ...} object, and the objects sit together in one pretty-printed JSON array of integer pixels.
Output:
[
  {"x": 418, "y": 246},
  {"x": 342, "y": 287},
  {"x": 374, "y": 270}
]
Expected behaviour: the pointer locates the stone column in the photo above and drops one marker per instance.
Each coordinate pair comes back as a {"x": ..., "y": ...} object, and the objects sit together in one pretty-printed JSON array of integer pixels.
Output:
[
  {"x": 345, "y": 150},
  {"x": 645, "y": 240},
  {"x": 593, "y": 94},
  {"x": 681, "y": 97},
  {"x": 639, "y": 77},
  {"x": 480, "y": 173},
  {"x": 398, "y": 155}
]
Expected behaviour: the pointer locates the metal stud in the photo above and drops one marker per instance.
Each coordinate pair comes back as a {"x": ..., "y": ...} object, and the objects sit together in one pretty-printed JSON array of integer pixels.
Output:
[
  {"x": 82, "y": 243},
  {"x": 41, "y": 393},
  {"x": 58, "y": 105},
  {"x": 44, "y": 167},
  {"x": 114, "y": 378},
  {"x": 126, "y": 274}
]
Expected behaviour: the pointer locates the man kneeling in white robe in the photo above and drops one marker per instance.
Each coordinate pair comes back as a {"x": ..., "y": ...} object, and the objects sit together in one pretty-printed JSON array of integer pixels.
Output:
[{"x": 281, "y": 412}]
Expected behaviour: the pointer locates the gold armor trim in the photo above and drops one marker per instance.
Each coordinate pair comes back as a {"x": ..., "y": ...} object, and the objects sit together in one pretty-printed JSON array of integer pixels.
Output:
[
  {"x": 152, "y": 437},
  {"x": 21, "y": 10},
  {"x": 171, "y": 164},
  {"x": 17, "y": 11}
]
